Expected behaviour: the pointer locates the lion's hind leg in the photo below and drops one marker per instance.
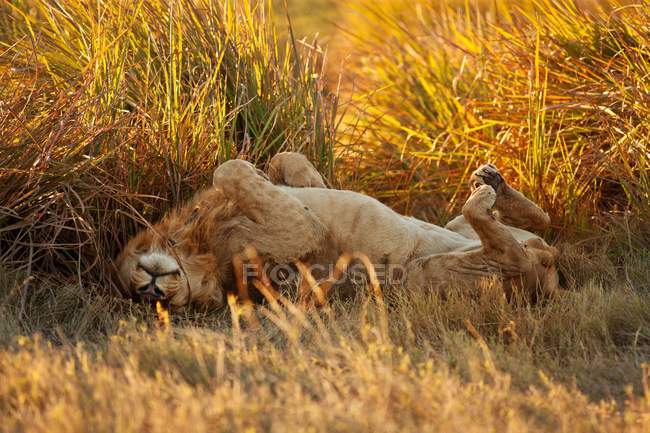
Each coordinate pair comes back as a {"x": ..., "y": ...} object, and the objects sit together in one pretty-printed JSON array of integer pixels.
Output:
[
  {"x": 294, "y": 169},
  {"x": 511, "y": 206},
  {"x": 494, "y": 235},
  {"x": 500, "y": 256}
]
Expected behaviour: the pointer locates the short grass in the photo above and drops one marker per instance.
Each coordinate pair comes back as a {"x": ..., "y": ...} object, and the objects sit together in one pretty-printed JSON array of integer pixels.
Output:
[
  {"x": 113, "y": 112},
  {"x": 414, "y": 362}
]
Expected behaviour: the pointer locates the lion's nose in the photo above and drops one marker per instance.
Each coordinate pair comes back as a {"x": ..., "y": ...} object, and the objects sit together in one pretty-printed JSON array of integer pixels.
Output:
[{"x": 151, "y": 291}]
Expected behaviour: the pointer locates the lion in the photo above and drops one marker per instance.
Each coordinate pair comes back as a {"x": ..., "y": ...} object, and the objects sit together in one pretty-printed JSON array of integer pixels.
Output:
[{"x": 290, "y": 215}]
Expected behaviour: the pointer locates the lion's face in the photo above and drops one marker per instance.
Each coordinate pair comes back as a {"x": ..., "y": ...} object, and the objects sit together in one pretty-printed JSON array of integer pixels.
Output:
[
  {"x": 154, "y": 274},
  {"x": 153, "y": 269},
  {"x": 157, "y": 276}
]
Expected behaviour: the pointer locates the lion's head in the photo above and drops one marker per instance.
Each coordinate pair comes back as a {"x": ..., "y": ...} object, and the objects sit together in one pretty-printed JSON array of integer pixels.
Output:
[{"x": 181, "y": 259}]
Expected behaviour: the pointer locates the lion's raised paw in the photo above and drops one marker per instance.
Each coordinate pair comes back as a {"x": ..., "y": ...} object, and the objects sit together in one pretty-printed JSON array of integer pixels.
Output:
[
  {"x": 480, "y": 202},
  {"x": 487, "y": 174}
]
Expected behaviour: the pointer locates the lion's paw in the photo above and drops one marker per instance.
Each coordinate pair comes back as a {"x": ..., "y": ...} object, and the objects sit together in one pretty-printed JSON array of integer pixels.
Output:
[
  {"x": 487, "y": 174},
  {"x": 480, "y": 202}
]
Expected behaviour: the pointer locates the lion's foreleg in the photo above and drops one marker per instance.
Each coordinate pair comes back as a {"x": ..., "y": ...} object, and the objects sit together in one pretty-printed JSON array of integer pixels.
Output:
[{"x": 280, "y": 226}]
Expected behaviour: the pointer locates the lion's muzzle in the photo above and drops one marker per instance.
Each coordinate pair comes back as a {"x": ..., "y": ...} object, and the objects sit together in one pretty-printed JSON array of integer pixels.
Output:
[{"x": 151, "y": 289}]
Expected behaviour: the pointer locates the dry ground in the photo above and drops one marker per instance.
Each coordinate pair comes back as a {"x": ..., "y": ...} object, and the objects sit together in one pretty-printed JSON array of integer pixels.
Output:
[{"x": 415, "y": 362}]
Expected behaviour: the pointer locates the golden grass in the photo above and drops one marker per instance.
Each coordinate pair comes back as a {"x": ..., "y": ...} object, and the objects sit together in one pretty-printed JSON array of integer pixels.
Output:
[
  {"x": 554, "y": 93},
  {"x": 113, "y": 112},
  {"x": 414, "y": 362}
]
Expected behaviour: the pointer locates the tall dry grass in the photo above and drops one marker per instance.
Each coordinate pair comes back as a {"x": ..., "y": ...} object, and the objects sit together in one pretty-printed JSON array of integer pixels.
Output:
[
  {"x": 554, "y": 93},
  {"x": 112, "y": 112}
]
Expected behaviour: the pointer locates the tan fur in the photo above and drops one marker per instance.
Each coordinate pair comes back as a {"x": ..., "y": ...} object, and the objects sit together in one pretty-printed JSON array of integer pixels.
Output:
[
  {"x": 294, "y": 169},
  {"x": 299, "y": 219}
]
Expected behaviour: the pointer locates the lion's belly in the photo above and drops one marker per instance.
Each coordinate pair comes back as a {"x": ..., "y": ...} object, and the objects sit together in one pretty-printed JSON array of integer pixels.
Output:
[{"x": 359, "y": 223}]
